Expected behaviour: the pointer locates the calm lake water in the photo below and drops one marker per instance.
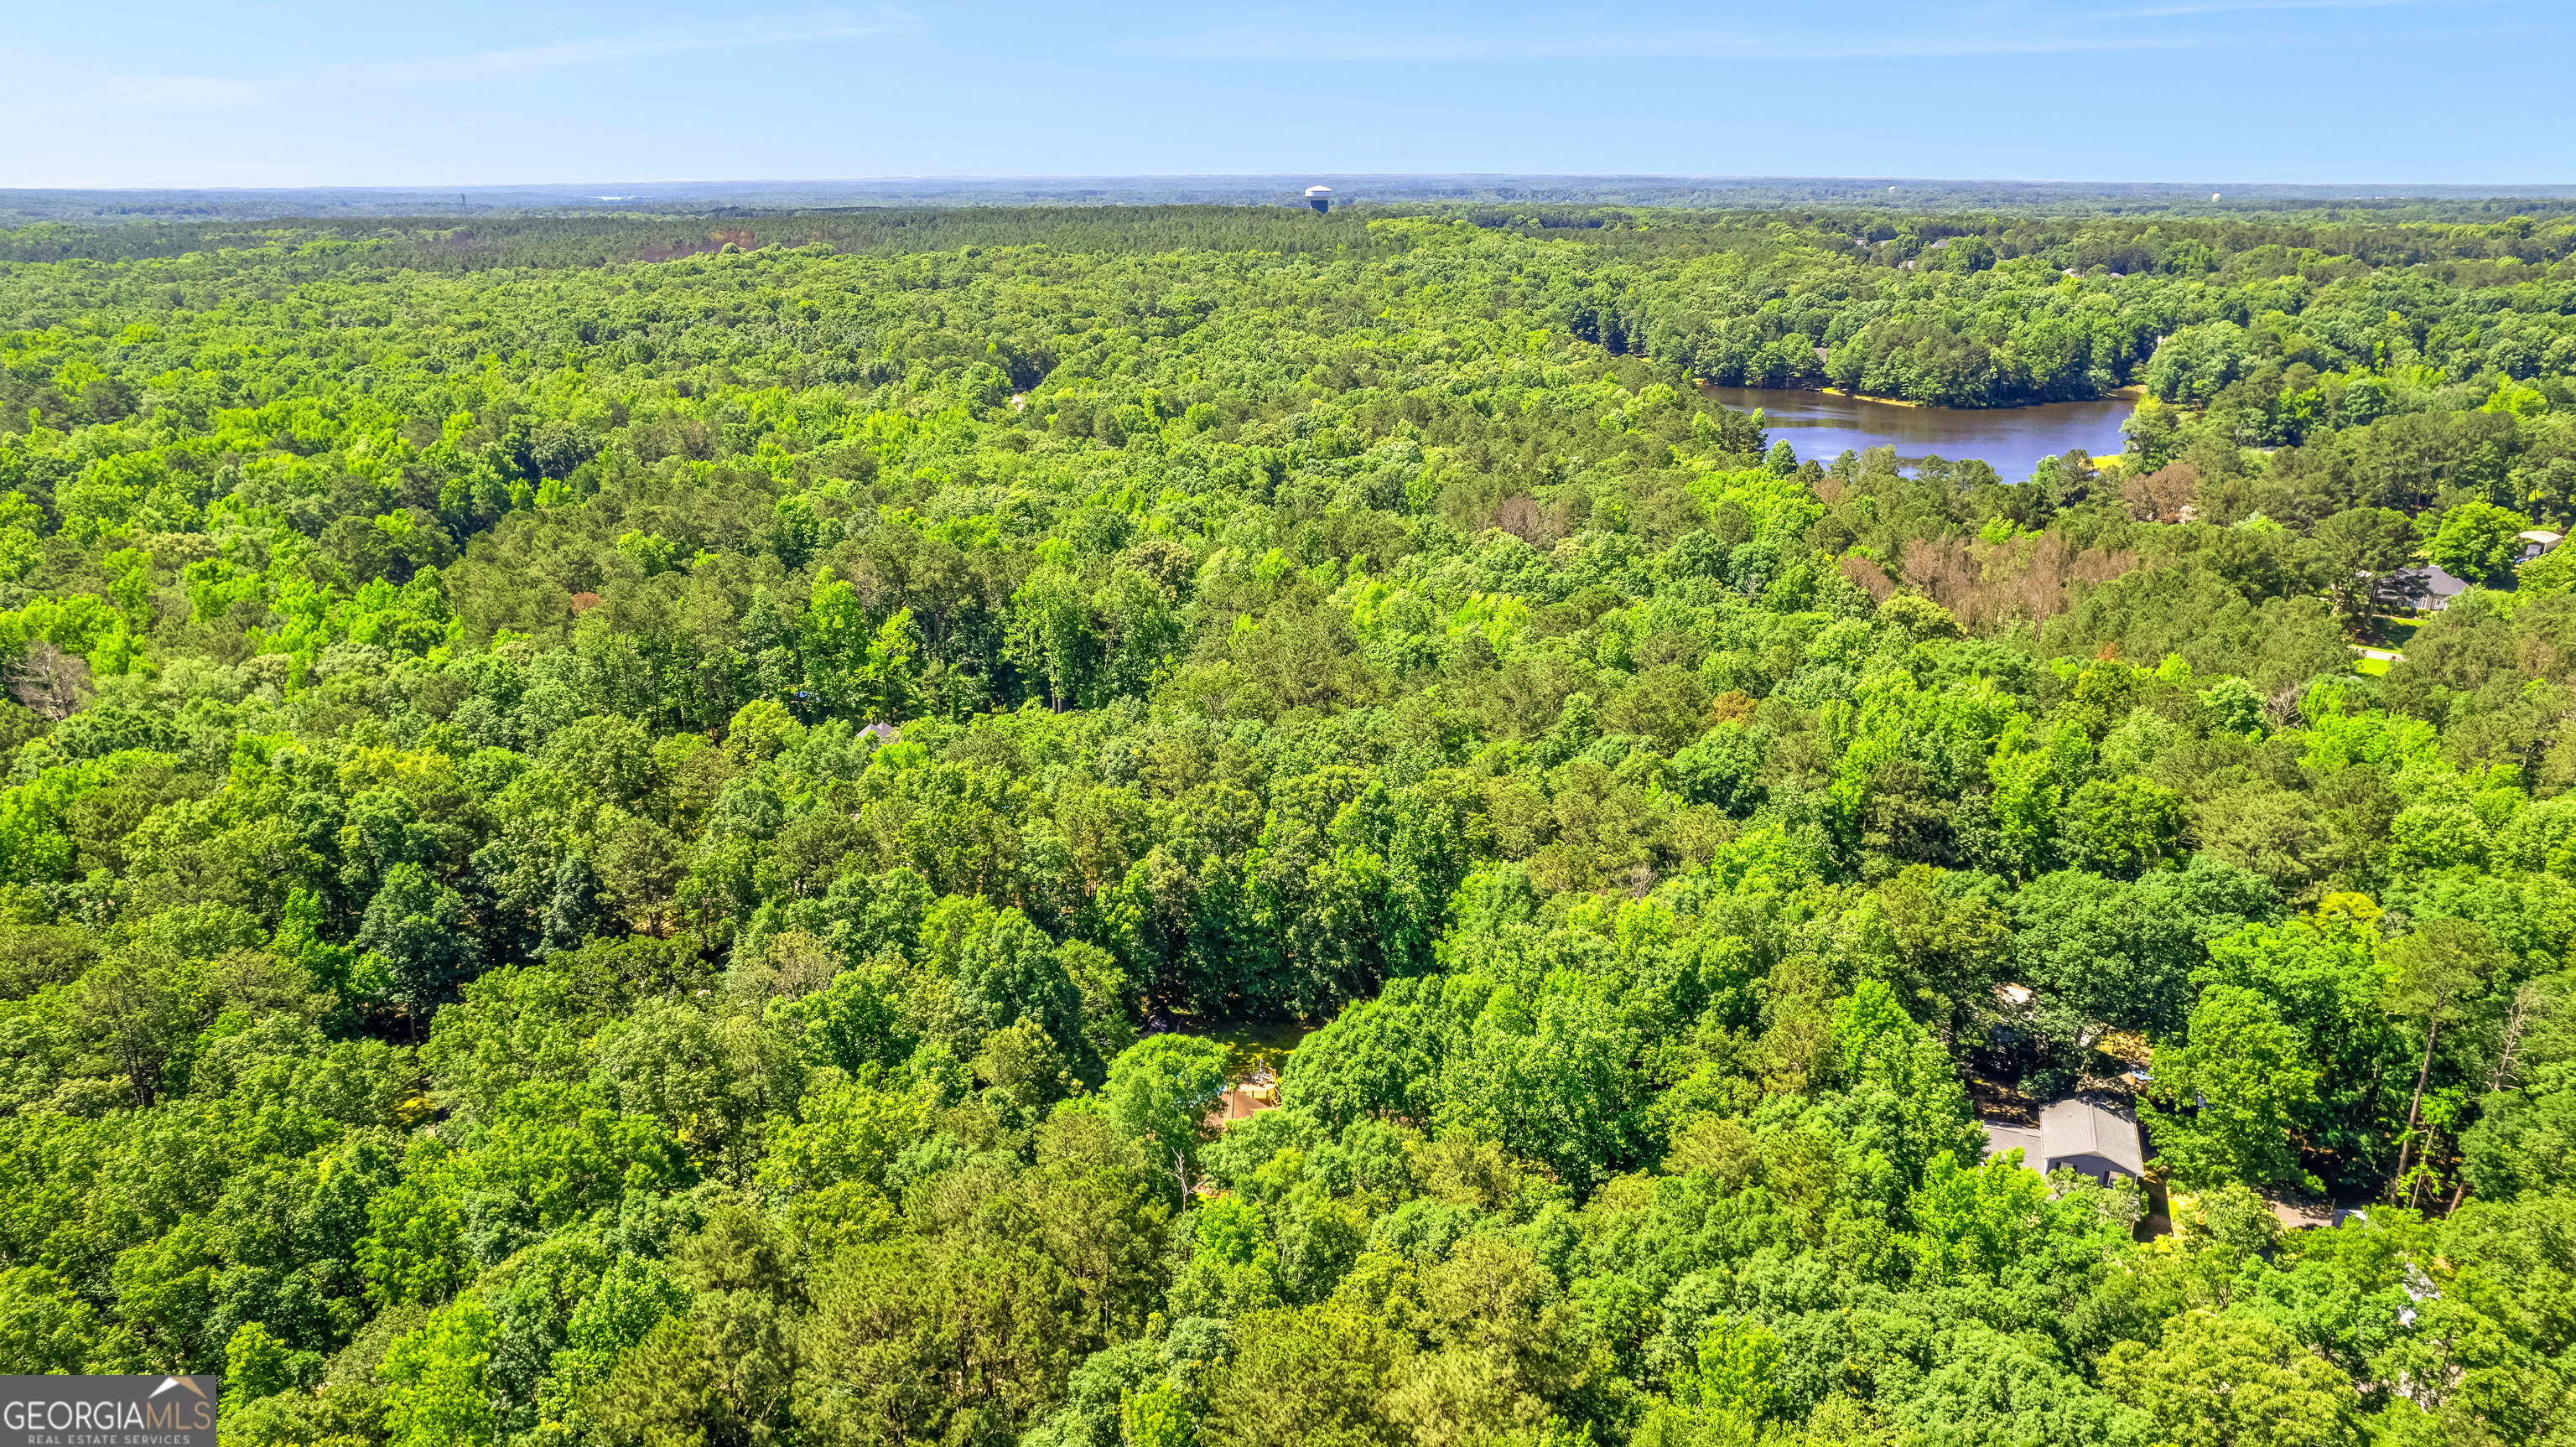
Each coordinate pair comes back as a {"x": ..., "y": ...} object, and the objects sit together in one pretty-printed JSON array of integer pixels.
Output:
[{"x": 2009, "y": 439}]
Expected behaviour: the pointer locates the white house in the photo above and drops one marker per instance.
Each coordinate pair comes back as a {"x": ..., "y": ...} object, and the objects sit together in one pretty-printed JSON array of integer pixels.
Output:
[
  {"x": 2076, "y": 1134},
  {"x": 2536, "y": 541}
]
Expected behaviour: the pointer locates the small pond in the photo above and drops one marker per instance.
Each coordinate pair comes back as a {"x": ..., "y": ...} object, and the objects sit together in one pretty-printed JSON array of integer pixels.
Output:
[{"x": 2009, "y": 439}]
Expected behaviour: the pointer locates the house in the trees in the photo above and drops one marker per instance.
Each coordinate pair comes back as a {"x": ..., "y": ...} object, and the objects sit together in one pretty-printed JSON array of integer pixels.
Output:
[
  {"x": 2427, "y": 588},
  {"x": 2090, "y": 1137}
]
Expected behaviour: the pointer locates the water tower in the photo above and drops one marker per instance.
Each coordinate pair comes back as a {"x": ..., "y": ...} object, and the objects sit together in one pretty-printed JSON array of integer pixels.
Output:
[{"x": 1320, "y": 197}]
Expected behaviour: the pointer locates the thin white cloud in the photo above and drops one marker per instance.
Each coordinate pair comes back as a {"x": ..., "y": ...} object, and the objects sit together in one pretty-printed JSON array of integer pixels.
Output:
[
  {"x": 1306, "y": 44},
  {"x": 644, "y": 45},
  {"x": 176, "y": 93},
  {"x": 2007, "y": 29},
  {"x": 2182, "y": 8}
]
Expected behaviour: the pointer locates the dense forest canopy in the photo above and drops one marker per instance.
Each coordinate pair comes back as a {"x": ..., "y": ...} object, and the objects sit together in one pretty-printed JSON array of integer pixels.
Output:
[
  {"x": 1899, "y": 194},
  {"x": 667, "y": 830}
]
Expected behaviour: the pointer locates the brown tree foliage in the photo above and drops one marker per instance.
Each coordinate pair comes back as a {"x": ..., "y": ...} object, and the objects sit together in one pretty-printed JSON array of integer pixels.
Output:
[
  {"x": 50, "y": 681},
  {"x": 2161, "y": 495},
  {"x": 1872, "y": 579},
  {"x": 1531, "y": 521},
  {"x": 1986, "y": 585}
]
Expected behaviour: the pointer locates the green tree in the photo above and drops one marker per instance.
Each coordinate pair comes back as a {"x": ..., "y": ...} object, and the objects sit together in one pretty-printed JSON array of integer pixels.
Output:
[
  {"x": 970, "y": 1337},
  {"x": 1234, "y": 1267},
  {"x": 256, "y": 1365},
  {"x": 1550, "y": 1079},
  {"x": 1160, "y": 1092},
  {"x": 1899, "y": 1095},
  {"x": 1157, "y": 1417},
  {"x": 2524, "y": 1138},
  {"x": 141, "y": 1007},
  {"x": 1051, "y": 635},
  {"x": 2217, "y": 1381},
  {"x": 2476, "y": 542},
  {"x": 2194, "y": 363},
  {"x": 1316, "y": 1374},
  {"x": 632, "y": 1298},
  {"x": 710, "y": 1079},
  {"x": 2228, "y": 1092},
  {"x": 831, "y": 1166},
  {"x": 2122, "y": 827},
  {"x": 2357, "y": 553},
  {"x": 1736, "y": 1372},
  {"x": 2435, "y": 973},
  {"x": 1971, "y": 1224},
  {"x": 417, "y": 926},
  {"x": 43, "y": 1327},
  {"x": 414, "y": 1250},
  {"x": 166, "y": 1293},
  {"x": 436, "y": 1390}
]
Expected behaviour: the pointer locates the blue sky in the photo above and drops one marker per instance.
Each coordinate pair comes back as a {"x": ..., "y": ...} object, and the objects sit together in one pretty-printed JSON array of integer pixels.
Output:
[{"x": 152, "y": 93}]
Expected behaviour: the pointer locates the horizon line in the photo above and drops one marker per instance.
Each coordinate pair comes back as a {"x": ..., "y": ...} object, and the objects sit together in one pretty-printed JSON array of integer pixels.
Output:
[{"x": 1670, "y": 177}]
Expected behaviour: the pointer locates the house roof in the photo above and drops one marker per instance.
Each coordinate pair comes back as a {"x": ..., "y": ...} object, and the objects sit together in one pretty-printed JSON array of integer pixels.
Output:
[
  {"x": 2001, "y": 1137},
  {"x": 2436, "y": 582},
  {"x": 2079, "y": 1127},
  {"x": 2539, "y": 535}
]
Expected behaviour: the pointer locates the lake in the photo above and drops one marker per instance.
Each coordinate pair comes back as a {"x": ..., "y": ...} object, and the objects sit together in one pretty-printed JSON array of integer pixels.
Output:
[{"x": 2009, "y": 439}]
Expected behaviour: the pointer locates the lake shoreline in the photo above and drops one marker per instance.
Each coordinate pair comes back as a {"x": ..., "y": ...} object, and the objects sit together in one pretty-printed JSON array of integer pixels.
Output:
[
  {"x": 1820, "y": 423},
  {"x": 2131, "y": 394}
]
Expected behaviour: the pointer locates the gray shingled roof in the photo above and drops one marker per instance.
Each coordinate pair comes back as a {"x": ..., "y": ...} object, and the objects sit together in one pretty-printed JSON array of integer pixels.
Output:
[
  {"x": 2069, "y": 1128},
  {"x": 2001, "y": 1138},
  {"x": 2437, "y": 584},
  {"x": 2078, "y": 1127}
]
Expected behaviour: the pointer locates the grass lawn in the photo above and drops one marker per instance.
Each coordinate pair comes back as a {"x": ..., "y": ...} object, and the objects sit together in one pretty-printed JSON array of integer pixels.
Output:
[{"x": 2389, "y": 631}]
